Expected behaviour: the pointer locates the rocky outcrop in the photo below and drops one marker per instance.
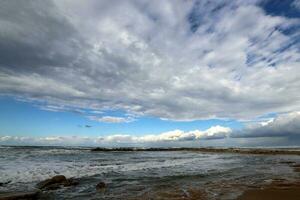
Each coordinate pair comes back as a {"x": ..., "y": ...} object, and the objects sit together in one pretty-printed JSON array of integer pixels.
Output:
[
  {"x": 56, "y": 182},
  {"x": 33, "y": 195},
  {"x": 53, "y": 183},
  {"x": 208, "y": 149}
]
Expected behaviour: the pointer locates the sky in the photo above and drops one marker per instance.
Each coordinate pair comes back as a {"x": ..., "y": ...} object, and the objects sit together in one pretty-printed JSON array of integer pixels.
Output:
[{"x": 150, "y": 73}]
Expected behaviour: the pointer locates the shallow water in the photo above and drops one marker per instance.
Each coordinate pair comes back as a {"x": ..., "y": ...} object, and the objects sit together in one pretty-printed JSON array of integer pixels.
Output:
[{"x": 134, "y": 175}]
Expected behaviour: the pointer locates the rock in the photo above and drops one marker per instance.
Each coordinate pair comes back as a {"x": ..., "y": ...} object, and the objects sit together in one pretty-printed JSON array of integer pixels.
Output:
[
  {"x": 56, "y": 180},
  {"x": 59, "y": 178},
  {"x": 4, "y": 183},
  {"x": 296, "y": 167},
  {"x": 20, "y": 195},
  {"x": 287, "y": 162},
  {"x": 101, "y": 186},
  {"x": 54, "y": 186},
  {"x": 71, "y": 182}
]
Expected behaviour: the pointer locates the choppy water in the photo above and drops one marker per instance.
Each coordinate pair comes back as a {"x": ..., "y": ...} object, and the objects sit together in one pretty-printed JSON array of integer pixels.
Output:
[{"x": 135, "y": 175}]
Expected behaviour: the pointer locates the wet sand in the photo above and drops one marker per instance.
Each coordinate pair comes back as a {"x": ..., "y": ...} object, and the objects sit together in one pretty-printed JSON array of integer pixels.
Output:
[
  {"x": 278, "y": 190},
  {"x": 274, "y": 191},
  {"x": 176, "y": 194}
]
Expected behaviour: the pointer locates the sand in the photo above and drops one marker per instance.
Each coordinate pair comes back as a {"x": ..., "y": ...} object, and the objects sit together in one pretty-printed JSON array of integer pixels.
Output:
[
  {"x": 284, "y": 191},
  {"x": 278, "y": 190}
]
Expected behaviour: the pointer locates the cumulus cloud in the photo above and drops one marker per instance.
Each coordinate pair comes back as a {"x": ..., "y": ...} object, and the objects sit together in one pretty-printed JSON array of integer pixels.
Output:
[
  {"x": 285, "y": 125},
  {"x": 215, "y": 132},
  {"x": 179, "y": 60}
]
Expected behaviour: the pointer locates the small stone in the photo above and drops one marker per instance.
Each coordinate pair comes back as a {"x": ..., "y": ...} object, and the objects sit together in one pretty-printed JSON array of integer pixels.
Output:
[{"x": 101, "y": 186}]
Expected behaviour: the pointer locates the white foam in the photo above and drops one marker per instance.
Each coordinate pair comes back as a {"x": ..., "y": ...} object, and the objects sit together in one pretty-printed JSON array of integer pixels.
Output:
[{"x": 36, "y": 165}]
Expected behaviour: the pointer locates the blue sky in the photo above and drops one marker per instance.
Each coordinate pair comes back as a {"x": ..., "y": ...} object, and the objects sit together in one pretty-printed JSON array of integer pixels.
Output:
[
  {"x": 25, "y": 118},
  {"x": 156, "y": 73}
]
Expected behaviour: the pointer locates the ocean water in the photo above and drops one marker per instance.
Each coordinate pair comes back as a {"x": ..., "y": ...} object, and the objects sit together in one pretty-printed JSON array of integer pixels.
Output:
[{"x": 140, "y": 175}]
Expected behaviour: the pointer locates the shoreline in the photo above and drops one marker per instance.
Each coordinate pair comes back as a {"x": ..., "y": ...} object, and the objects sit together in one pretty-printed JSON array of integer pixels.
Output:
[
  {"x": 255, "y": 151},
  {"x": 278, "y": 189},
  {"x": 217, "y": 184},
  {"x": 238, "y": 150}
]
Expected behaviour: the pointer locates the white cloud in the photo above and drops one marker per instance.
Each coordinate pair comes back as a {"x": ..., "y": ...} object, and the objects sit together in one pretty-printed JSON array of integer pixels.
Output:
[
  {"x": 179, "y": 60},
  {"x": 286, "y": 126},
  {"x": 296, "y": 3},
  {"x": 111, "y": 119},
  {"x": 215, "y": 132},
  {"x": 6, "y": 138}
]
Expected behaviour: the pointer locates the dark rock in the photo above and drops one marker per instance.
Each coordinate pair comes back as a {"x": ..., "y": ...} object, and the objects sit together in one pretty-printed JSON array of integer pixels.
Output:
[
  {"x": 204, "y": 149},
  {"x": 4, "y": 183},
  {"x": 59, "y": 179},
  {"x": 71, "y": 182},
  {"x": 33, "y": 195},
  {"x": 57, "y": 182},
  {"x": 54, "y": 186},
  {"x": 296, "y": 165},
  {"x": 101, "y": 186},
  {"x": 287, "y": 162}
]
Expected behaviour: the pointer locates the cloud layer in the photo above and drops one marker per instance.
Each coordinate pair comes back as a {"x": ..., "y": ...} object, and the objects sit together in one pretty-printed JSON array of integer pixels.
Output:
[
  {"x": 111, "y": 119},
  {"x": 216, "y": 132},
  {"x": 284, "y": 127},
  {"x": 179, "y": 60}
]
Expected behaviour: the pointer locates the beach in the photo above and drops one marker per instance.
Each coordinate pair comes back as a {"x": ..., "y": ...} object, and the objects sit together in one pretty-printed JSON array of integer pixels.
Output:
[{"x": 149, "y": 174}]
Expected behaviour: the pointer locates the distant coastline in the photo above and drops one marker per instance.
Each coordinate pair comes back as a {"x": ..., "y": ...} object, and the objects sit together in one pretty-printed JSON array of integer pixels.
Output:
[
  {"x": 240, "y": 150},
  {"x": 269, "y": 151}
]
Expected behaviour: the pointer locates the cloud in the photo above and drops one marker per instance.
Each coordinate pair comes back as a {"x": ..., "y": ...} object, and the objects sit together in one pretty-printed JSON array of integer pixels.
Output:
[
  {"x": 285, "y": 125},
  {"x": 215, "y": 132},
  {"x": 296, "y": 3},
  {"x": 177, "y": 60},
  {"x": 111, "y": 119}
]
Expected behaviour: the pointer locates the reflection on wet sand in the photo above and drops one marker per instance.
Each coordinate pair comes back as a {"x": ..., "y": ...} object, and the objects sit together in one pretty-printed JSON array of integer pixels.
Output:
[{"x": 279, "y": 189}]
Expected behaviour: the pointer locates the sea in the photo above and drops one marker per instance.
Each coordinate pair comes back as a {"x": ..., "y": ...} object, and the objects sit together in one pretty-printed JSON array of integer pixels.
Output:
[{"x": 140, "y": 174}]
